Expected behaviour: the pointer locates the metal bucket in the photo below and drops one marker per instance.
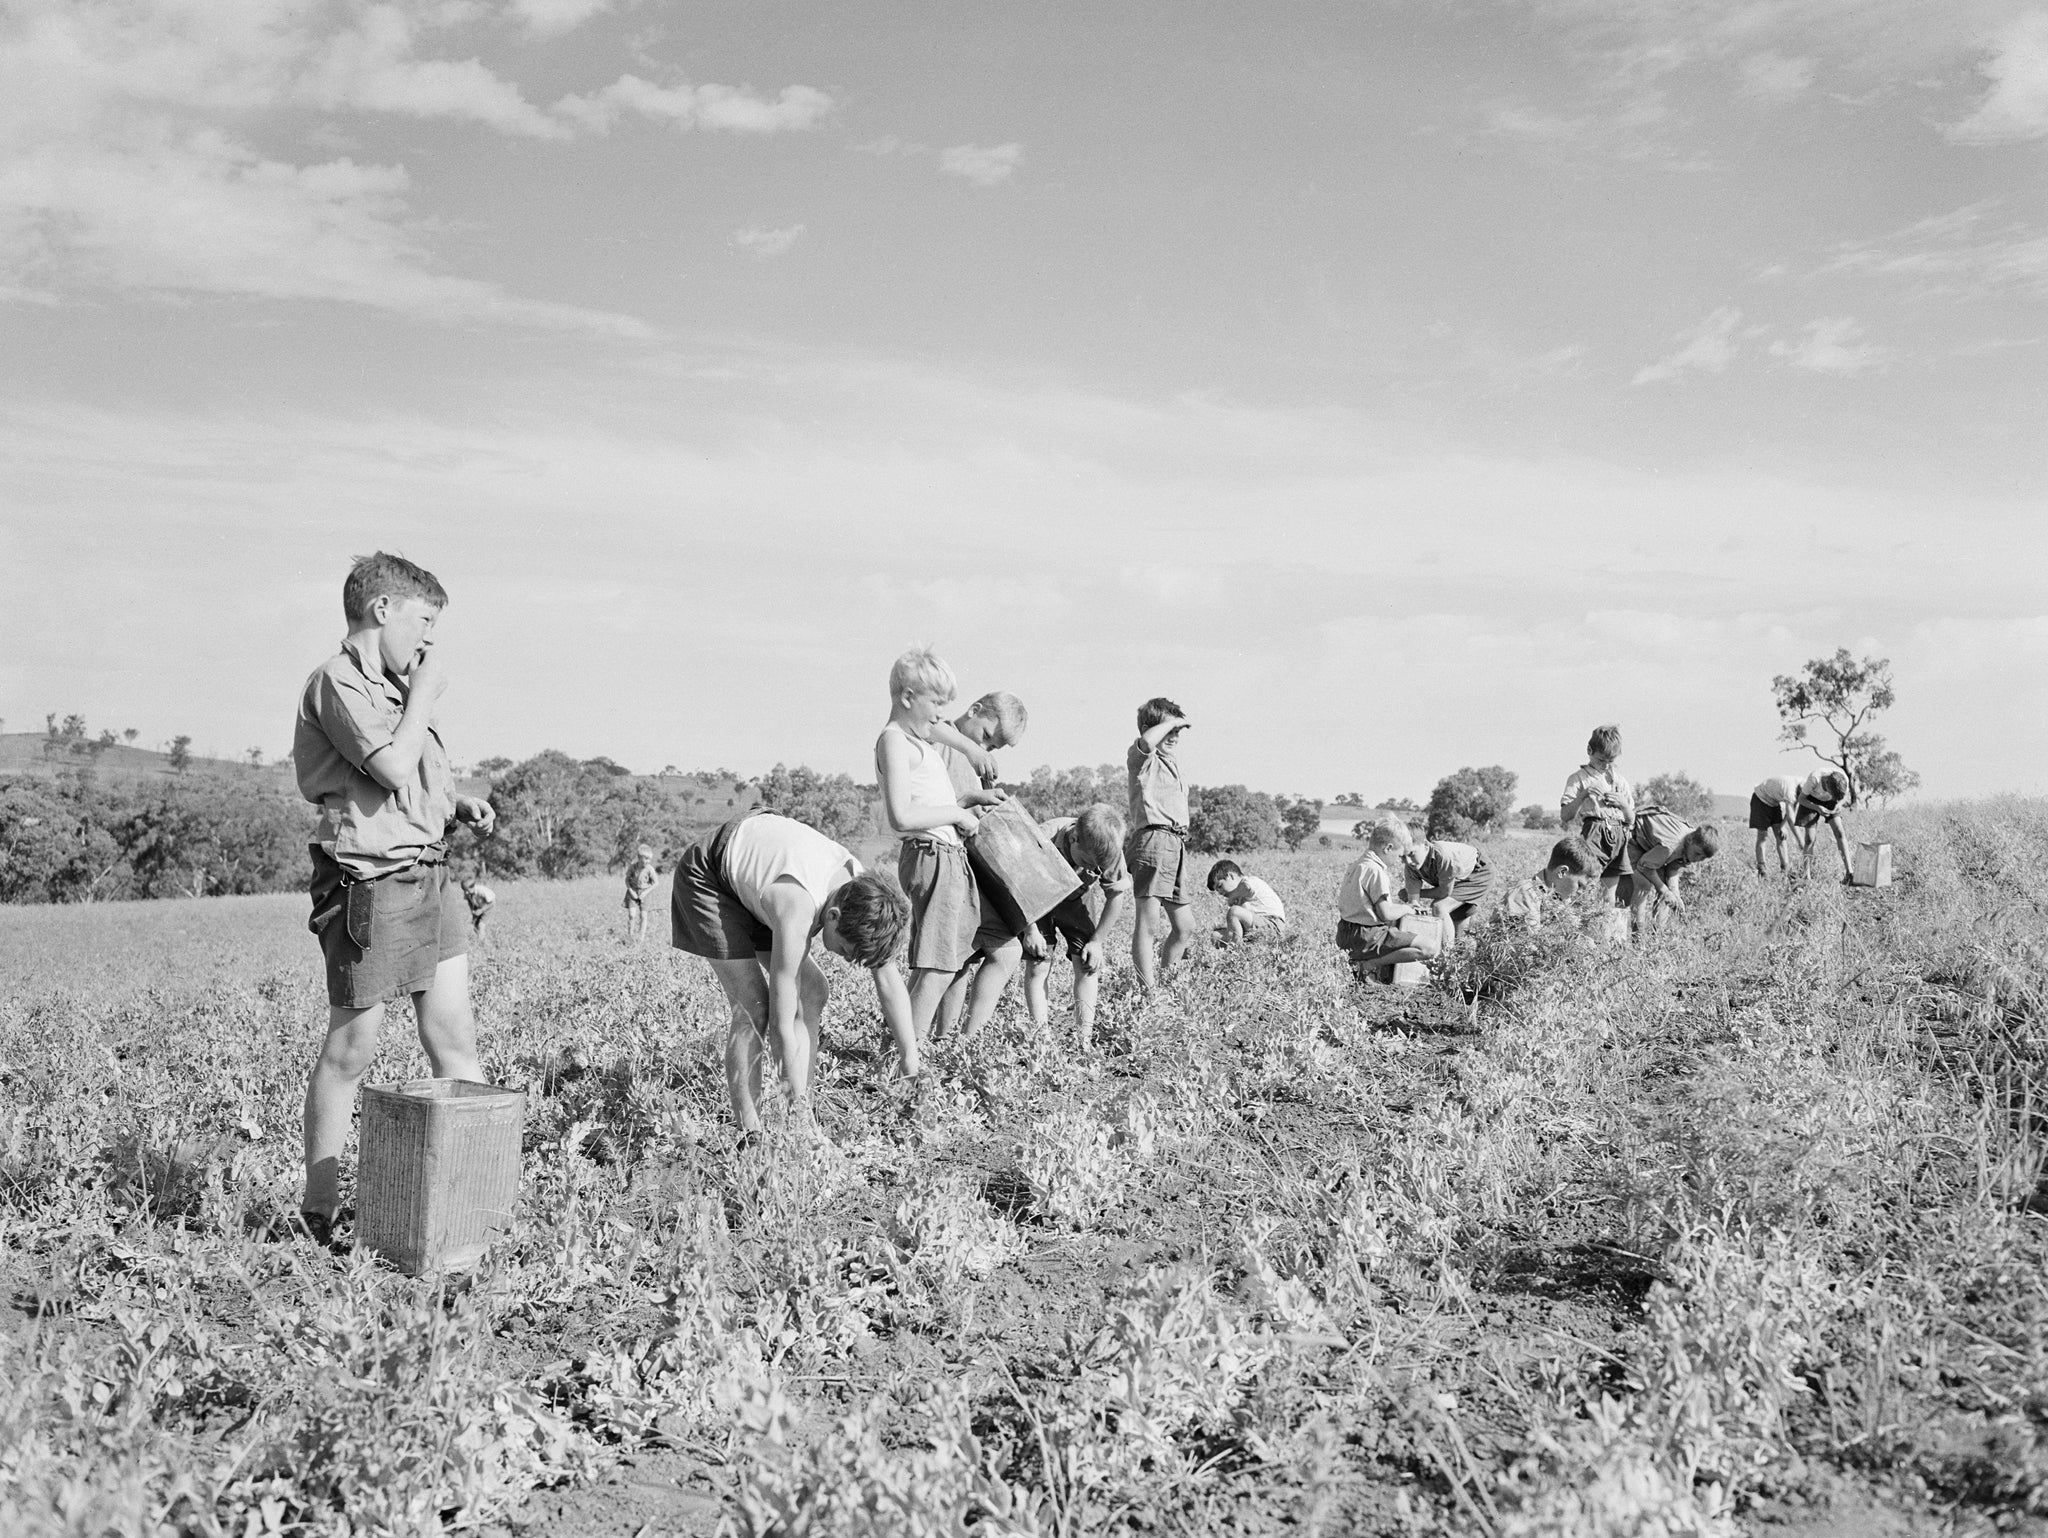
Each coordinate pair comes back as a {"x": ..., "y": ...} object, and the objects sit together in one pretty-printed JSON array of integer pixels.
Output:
[
  {"x": 1413, "y": 974},
  {"x": 1870, "y": 864},
  {"x": 1021, "y": 876},
  {"x": 439, "y": 1173}
]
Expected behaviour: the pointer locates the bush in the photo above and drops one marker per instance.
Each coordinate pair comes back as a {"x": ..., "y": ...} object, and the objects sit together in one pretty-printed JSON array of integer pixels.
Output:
[
  {"x": 1300, "y": 818},
  {"x": 1228, "y": 819},
  {"x": 831, "y": 803},
  {"x": 1679, "y": 793},
  {"x": 1537, "y": 815},
  {"x": 1471, "y": 802},
  {"x": 1070, "y": 792}
]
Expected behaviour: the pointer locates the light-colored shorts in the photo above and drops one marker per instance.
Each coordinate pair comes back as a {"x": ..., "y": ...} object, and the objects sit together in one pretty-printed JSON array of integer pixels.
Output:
[
  {"x": 947, "y": 925},
  {"x": 1158, "y": 861}
]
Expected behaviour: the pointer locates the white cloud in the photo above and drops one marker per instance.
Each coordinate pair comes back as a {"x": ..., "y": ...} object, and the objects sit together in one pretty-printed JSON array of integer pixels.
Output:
[
  {"x": 1773, "y": 77},
  {"x": 734, "y": 109},
  {"x": 552, "y": 18},
  {"x": 2016, "y": 105},
  {"x": 1832, "y": 346},
  {"x": 371, "y": 68},
  {"x": 1953, "y": 253},
  {"x": 984, "y": 166},
  {"x": 1707, "y": 347},
  {"x": 765, "y": 243}
]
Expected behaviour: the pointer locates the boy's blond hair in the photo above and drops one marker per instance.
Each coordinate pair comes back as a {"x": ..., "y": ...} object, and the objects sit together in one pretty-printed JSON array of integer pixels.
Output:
[
  {"x": 1006, "y": 711},
  {"x": 1391, "y": 834},
  {"x": 1099, "y": 834},
  {"x": 921, "y": 671}
]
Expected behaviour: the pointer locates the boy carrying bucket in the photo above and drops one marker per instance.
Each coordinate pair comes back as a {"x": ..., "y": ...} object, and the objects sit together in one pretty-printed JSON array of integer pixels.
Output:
[{"x": 391, "y": 921}]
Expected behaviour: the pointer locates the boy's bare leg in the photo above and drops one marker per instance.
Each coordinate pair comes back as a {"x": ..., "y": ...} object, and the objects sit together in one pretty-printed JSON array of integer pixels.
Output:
[
  {"x": 1760, "y": 851},
  {"x": 950, "y": 1007},
  {"x": 447, "y": 1024},
  {"x": 345, "y": 1056},
  {"x": 746, "y": 990},
  {"x": 928, "y": 987},
  {"x": 989, "y": 981},
  {"x": 1180, "y": 919},
  {"x": 1036, "y": 1003},
  {"x": 1146, "y": 923},
  {"x": 1086, "y": 984}
]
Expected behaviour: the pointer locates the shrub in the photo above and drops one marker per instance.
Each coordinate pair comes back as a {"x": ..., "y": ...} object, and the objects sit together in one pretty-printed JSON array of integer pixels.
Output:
[
  {"x": 1679, "y": 793},
  {"x": 831, "y": 803},
  {"x": 1471, "y": 802},
  {"x": 1227, "y": 819},
  {"x": 1537, "y": 815}
]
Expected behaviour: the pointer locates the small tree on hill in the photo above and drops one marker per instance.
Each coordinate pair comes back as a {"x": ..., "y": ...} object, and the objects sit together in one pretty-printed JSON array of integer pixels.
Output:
[
  {"x": 1679, "y": 793},
  {"x": 1350, "y": 798},
  {"x": 181, "y": 753},
  {"x": 1826, "y": 707},
  {"x": 1226, "y": 819},
  {"x": 1300, "y": 819},
  {"x": 831, "y": 803},
  {"x": 1471, "y": 802},
  {"x": 129, "y": 734}
]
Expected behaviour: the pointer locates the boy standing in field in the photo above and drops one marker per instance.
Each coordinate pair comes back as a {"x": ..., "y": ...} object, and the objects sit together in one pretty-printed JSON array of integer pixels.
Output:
[
  {"x": 1785, "y": 799},
  {"x": 1598, "y": 804},
  {"x": 750, "y": 898},
  {"x": 1573, "y": 863},
  {"x": 1156, "y": 849},
  {"x": 1251, "y": 909},
  {"x": 391, "y": 922},
  {"x": 1455, "y": 879},
  {"x": 1660, "y": 845},
  {"x": 640, "y": 879},
  {"x": 946, "y": 925},
  {"x": 1370, "y": 916},
  {"x": 1093, "y": 845}
]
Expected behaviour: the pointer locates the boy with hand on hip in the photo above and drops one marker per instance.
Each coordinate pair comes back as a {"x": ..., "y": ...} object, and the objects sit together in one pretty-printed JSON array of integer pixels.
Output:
[
  {"x": 1660, "y": 846},
  {"x": 1093, "y": 845},
  {"x": 1370, "y": 913},
  {"x": 1598, "y": 804},
  {"x": 391, "y": 921},
  {"x": 750, "y": 898},
  {"x": 946, "y": 921},
  {"x": 1252, "y": 910},
  {"x": 1156, "y": 850},
  {"x": 1785, "y": 799}
]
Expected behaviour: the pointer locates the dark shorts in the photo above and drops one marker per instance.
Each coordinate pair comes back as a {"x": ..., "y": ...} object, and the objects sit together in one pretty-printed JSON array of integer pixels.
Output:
[
  {"x": 1474, "y": 893},
  {"x": 1765, "y": 814},
  {"x": 1075, "y": 919},
  {"x": 1364, "y": 944},
  {"x": 947, "y": 925},
  {"x": 706, "y": 918},
  {"x": 1158, "y": 861},
  {"x": 418, "y": 919},
  {"x": 1610, "y": 843}
]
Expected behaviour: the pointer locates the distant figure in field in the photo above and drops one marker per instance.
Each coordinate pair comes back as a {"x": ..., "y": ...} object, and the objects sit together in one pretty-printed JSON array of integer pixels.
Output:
[
  {"x": 1252, "y": 910},
  {"x": 1093, "y": 844},
  {"x": 1785, "y": 799},
  {"x": 1456, "y": 880},
  {"x": 1573, "y": 864},
  {"x": 1156, "y": 849},
  {"x": 1598, "y": 804},
  {"x": 1660, "y": 845},
  {"x": 641, "y": 877},
  {"x": 993, "y": 722},
  {"x": 1374, "y": 927},
  {"x": 480, "y": 900},
  {"x": 750, "y": 897},
  {"x": 946, "y": 920},
  {"x": 391, "y": 922}
]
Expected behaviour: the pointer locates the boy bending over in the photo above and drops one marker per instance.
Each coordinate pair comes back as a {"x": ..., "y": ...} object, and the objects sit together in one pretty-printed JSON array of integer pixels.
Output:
[
  {"x": 1251, "y": 909},
  {"x": 1371, "y": 917},
  {"x": 391, "y": 922},
  {"x": 1660, "y": 846},
  {"x": 1156, "y": 850},
  {"x": 1598, "y": 804},
  {"x": 1573, "y": 864},
  {"x": 750, "y": 897},
  {"x": 994, "y": 721},
  {"x": 1456, "y": 880},
  {"x": 1093, "y": 844},
  {"x": 1784, "y": 799}
]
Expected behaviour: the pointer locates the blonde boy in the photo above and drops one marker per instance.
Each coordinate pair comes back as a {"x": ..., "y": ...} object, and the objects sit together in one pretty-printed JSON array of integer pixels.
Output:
[
  {"x": 640, "y": 879},
  {"x": 946, "y": 922},
  {"x": 1251, "y": 909},
  {"x": 1660, "y": 846},
  {"x": 391, "y": 922},
  {"x": 1784, "y": 800},
  {"x": 1598, "y": 804},
  {"x": 1455, "y": 879},
  {"x": 1156, "y": 849},
  {"x": 1372, "y": 921},
  {"x": 1093, "y": 845}
]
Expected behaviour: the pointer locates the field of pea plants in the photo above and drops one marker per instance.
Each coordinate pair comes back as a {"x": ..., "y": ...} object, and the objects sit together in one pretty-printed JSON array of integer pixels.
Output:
[{"x": 1733, "y": 1232}]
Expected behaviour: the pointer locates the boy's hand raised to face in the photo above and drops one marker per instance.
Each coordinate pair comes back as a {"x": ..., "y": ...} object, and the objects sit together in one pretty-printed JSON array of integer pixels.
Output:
[{"x": 428, "y": 680}]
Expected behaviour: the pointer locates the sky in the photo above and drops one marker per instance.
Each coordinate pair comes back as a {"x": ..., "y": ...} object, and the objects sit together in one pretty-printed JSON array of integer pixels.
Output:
[{"x": 1396, "y": 384}]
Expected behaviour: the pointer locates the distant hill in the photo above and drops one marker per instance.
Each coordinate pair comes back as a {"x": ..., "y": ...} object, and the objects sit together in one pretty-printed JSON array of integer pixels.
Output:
[{"x": 34, "y": 753}]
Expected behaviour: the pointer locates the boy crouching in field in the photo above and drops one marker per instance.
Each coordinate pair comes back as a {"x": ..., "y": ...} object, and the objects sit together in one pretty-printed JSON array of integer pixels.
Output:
[
  {"x": 391, "y": 921},
  {"x": 1785, "y": 800},
  {"x": 749, "y": 898},
  {"x": 1456, "y": 880},
  {"x": 946, "y": 921},
  {"x": 1370, "y": 914},
  {"x": 1156, "y": 849},
  {"x": 1252, "y": 910},
  {"x": 1093, "y": 845},
  {"x": 1573, "y": 863},
  {"x": 1660, "y": 845}
]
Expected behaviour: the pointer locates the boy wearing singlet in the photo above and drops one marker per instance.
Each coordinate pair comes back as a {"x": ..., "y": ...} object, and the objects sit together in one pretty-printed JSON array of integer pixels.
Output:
[
  {"x": 946, "y": 926},
  {"x": 749, "y": 898}
]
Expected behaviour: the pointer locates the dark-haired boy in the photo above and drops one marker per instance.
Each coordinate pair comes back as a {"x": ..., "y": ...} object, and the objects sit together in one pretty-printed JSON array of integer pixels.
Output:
[
  {"x": 1093, "y": 845},
  {"x": 1156, "y": 849},
  {"x": 391, "y": 921},
  {"x": 1456, "y": 880},
  {"x": 750, "y": 897},
  {"x": 1251, "y": 908},
  {"x": 1660, "y": 845},
  {"x": 1598, "y": 804},
  {"x": 1784, "y": 800},
  {"x": 1573, "y": 863}
]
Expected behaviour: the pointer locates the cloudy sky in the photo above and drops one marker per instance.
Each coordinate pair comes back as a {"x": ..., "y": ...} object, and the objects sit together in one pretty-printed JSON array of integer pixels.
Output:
[{"x": 1399, "y": 384}]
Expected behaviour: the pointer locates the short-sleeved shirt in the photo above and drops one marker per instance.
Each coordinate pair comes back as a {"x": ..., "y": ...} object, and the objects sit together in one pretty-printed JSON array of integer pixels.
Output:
[
  {"x": 640, "y": 880},
  {"x": 1365, "y": 884},
  {"x": 479, "y": 898},
  {"x": 764, "y": 849},
  {"x": 1655, "y": 837},
  {"x": 1257, "y": 898},
  {"x": 1159, "y": 796},
  {"x": 349, "y": 709},
  {"x": 1604, "y": 782},
  {"x": 1443, "y": 864},
  {"x": 1113, "y": 876},
  {"x": 931, "y": 782},
  {"x": 1524, "y": 903}
]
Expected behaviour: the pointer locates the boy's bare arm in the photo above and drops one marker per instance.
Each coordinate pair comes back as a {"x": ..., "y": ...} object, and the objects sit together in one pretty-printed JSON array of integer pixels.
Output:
[
  {"x": 905, "y": 815},
  {"x": 1157, "y": 733},
  {"x": 394, "y": 764},
  {"x": 946, "y": 734},
  {"x": 791, "y": 911}
]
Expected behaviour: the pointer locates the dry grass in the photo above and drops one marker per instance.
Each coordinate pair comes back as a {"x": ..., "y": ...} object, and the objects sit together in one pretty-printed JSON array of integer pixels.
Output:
[{"x": 1679, "y": 1240}]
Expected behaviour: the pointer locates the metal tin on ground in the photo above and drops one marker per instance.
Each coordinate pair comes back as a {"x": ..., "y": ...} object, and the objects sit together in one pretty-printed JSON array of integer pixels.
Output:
[{"x": 439, "y": 1173}]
